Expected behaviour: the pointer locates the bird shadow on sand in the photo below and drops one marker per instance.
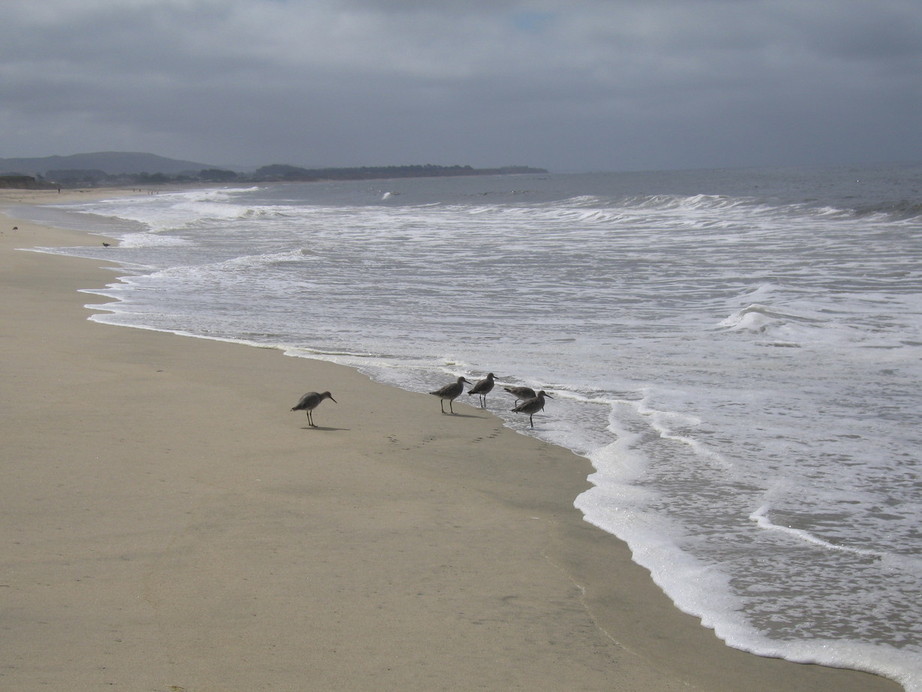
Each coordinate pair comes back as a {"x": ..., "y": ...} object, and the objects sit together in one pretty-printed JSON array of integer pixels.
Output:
[{"x": 322, "y": 427}]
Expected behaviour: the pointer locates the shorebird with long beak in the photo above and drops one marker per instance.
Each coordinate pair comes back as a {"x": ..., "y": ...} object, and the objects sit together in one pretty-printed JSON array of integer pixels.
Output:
[
  {"x": 522, "y": 393},
  {"x": 450, "y": 392},
  {"x": 532, "y": 406},
  {"x": 309, "y": 402},
  {"x": 483, "y": 387}
]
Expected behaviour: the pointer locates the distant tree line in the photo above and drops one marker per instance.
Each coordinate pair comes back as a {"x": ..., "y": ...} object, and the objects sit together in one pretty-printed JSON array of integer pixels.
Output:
[
  {"x": 21, "y": 182},
  {"x": 283, "y": 172},
  {"x": 77, "y": 177}
]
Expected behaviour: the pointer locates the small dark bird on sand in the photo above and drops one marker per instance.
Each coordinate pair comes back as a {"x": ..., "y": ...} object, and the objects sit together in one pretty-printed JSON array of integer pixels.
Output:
[
  {"x": 451, "y": 392},
  {"x": 483, "y": 387},
  {"x": 522, "y": 393},
  {"x": 105, "y": 244},
  {"x": 309, "y": 402},
  {"x": 532, "y": 406}
]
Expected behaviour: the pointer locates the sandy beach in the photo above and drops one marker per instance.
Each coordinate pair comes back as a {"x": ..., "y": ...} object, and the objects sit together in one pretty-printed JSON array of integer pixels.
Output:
[{"x": 169, "y": 524}]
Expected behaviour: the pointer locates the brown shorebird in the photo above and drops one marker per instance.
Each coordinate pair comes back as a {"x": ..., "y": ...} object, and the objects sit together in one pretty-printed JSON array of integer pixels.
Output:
[
  {"x": 483, "y": 387},
  {"x": 521, "y": 393},
  {"x": 532, "y": 406},
  {"x": 309, "y": 402},
  {"x": 451, "y": 392}
]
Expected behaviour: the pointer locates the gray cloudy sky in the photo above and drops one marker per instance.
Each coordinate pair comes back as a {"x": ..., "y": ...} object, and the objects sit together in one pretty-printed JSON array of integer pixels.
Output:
[{"x": 570, "y": 85}]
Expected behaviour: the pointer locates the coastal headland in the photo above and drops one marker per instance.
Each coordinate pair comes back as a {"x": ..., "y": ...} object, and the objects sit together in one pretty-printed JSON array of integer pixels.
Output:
[{"x": 169, "y": 524}]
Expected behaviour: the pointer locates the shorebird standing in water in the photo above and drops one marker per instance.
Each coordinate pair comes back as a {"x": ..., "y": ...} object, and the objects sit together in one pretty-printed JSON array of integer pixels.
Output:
[
  {"x": 309, "y": 402},
  {"x": 451, "y": 392},
  {"x": 521, "y": 393},
  {"x": 483, "y": 387},
  {"x": 532, "y": 406}
]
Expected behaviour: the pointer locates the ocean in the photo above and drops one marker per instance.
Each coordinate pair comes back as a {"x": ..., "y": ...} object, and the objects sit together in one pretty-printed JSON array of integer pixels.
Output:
[{"x": 738, "y": 353}]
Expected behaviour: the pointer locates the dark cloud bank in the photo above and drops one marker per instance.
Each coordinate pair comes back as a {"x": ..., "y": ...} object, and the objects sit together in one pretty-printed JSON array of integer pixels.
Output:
[{"x": 577, "y": 85}]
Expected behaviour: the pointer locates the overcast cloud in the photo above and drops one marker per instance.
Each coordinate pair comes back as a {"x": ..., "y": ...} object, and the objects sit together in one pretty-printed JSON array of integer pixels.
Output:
[{"x": 570, "y": 85}]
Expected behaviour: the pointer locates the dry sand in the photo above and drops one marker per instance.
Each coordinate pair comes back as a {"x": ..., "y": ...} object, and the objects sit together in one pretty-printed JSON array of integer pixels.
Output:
[{"x": 168, "y": 524}]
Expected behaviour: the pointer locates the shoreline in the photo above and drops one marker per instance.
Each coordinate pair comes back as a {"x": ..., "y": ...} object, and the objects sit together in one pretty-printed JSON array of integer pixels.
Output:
[{"x": 172, "y": 523}]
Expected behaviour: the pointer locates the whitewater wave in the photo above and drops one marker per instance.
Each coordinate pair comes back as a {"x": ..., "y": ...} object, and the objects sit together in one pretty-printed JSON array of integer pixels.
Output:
[{"x": 761, "y": 319}]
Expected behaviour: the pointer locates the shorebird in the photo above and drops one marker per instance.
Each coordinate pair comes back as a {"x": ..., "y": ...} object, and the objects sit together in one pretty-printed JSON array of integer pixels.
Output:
[
  {"x": 451, "y": 392},
  {"x": 309, "y": 402},
  {"x": 483, "y": 387},
  {"x": 521, "y": 393},
  {"x": 532, "y": 406}
]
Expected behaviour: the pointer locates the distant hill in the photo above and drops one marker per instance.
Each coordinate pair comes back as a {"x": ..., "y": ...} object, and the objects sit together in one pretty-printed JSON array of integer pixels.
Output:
[
  {"x": 112, "y": 168},
  {"x": 110, "y": 162}
]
